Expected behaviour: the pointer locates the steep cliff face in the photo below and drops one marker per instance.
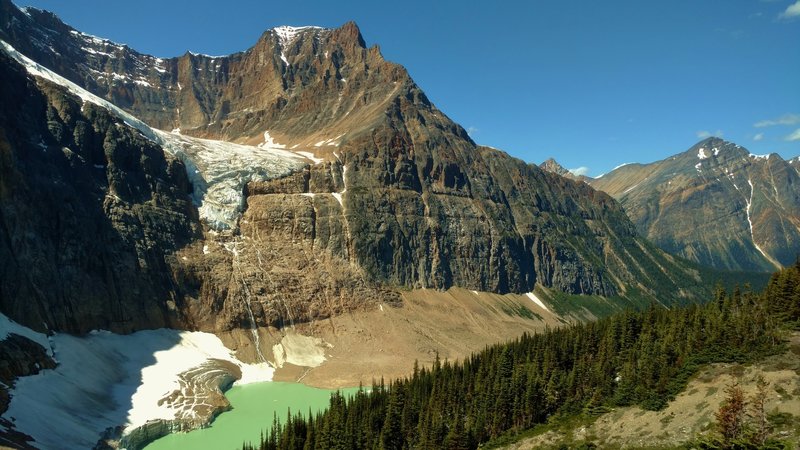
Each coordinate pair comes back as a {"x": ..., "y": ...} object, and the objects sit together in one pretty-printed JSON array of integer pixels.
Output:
[
  {"x": 90, "y": 213},
  {"x": 715, "y": 204},
  {"x": 398, "y": 196}
]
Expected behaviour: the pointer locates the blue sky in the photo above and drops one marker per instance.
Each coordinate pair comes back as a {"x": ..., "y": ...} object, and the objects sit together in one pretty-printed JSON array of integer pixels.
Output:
[{"x": 593, "y": 84}]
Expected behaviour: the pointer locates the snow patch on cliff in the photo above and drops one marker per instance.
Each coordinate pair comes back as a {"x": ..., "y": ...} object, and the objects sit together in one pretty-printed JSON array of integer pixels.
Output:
[
  {"x": 8, "y": 326},
  {"x": 536, "y": 300},
  {"x": 287, "y": 34},
  {"x": 310, "y": 156},
  {"x": 749, "y": 203}
]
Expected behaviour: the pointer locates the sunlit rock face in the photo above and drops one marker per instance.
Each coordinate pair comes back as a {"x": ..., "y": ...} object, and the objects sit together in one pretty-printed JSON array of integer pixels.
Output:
[
  {"x": 716, "y": 204},
  {"x": 377, "y": 188}
]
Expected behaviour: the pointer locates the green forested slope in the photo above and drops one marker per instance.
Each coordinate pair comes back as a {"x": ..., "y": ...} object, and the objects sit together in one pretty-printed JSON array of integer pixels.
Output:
[{"x": 641, "y": 358}]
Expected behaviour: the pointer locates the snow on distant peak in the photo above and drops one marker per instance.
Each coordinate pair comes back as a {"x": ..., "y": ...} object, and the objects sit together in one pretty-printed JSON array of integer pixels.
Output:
[
  {"x": 286, "y": 34},
  {"x": 94, "y": 39},
  {"x": 621, "y": 165},
  {"x": 207, "y": 56},
  {"x": 701, "y": 154},
  {"x": 759, "y": 156}
]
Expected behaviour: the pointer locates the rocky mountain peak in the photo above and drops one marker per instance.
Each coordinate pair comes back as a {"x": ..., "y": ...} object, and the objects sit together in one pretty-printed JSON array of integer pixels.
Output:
[
  {"x": 715, "y": 203},
  {"x": 710, "y": 141},
  {"x": 387, "y": 191},
  {"x": 551, "y": 165},
  {"x": 716, "y": 148},
  {"x": 349, "y": 32}
]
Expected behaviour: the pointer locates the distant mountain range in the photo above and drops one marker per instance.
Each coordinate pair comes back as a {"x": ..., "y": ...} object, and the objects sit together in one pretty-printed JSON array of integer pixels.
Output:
[{"x": 716, "y": 204}]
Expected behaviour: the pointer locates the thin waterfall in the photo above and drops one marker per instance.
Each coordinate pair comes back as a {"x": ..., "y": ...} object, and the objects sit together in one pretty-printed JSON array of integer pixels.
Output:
[{"x": 247, "y": 299}]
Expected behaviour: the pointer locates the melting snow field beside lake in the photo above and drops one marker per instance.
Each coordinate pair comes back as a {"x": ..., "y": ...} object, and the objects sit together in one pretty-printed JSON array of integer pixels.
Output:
[{"x": 106, "y": 380}]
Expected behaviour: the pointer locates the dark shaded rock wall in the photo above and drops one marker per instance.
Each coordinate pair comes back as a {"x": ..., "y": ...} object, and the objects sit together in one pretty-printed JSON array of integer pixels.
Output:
[{"x": 90, "y": 214}]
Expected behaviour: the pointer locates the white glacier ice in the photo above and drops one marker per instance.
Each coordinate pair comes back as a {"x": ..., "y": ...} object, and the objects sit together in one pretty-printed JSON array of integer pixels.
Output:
[{"x": 218, "y": 170}]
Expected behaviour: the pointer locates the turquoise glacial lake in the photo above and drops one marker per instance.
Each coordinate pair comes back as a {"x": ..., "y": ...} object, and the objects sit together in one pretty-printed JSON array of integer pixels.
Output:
[{"x": 254, "y": 406}]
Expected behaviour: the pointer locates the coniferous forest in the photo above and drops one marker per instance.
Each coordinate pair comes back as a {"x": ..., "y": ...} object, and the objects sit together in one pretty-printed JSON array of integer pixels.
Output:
[{"x": 633, "y": 358}]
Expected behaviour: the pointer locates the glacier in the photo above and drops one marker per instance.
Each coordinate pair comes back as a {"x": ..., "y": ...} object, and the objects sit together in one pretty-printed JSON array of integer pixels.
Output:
[{"x": 218, "y": 170}]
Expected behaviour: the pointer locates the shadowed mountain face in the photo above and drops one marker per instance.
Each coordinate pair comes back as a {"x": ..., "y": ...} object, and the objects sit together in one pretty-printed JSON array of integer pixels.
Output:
[
  {"x": 89, "y": 213},
  {"x": 398, "y": 196},
  {"x": 715, "y": 204}
]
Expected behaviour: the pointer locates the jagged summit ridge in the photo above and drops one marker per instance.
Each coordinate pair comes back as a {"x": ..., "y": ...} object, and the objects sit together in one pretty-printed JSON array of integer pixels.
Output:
[
  {"x": 286, "y": 34},
  {"x": 715, "y": 203}
]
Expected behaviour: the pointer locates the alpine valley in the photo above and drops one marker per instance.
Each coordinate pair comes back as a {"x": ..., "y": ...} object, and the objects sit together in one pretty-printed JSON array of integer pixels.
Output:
[{"x": 300, "y": 211}]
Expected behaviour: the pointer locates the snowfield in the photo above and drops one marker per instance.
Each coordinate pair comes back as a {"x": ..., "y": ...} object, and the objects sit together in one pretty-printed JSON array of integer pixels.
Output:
[
  {"x": 105, "y": 380},
  {"x": 8, "y": 326},
  {"x": 538, "y": 302}
]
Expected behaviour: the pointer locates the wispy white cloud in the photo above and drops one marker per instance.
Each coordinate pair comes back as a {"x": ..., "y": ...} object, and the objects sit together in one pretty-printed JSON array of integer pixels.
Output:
[
  {"x": 791, "y": 12},
  {"x": 786, "y": 119},
  {"x": 472, "y": 130},
  {"x": 794, "y": 136},
  {"x": 582, "y": 170},
  {"x": 758, "y": 136},
  {"x": 702, "y": 134}
]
